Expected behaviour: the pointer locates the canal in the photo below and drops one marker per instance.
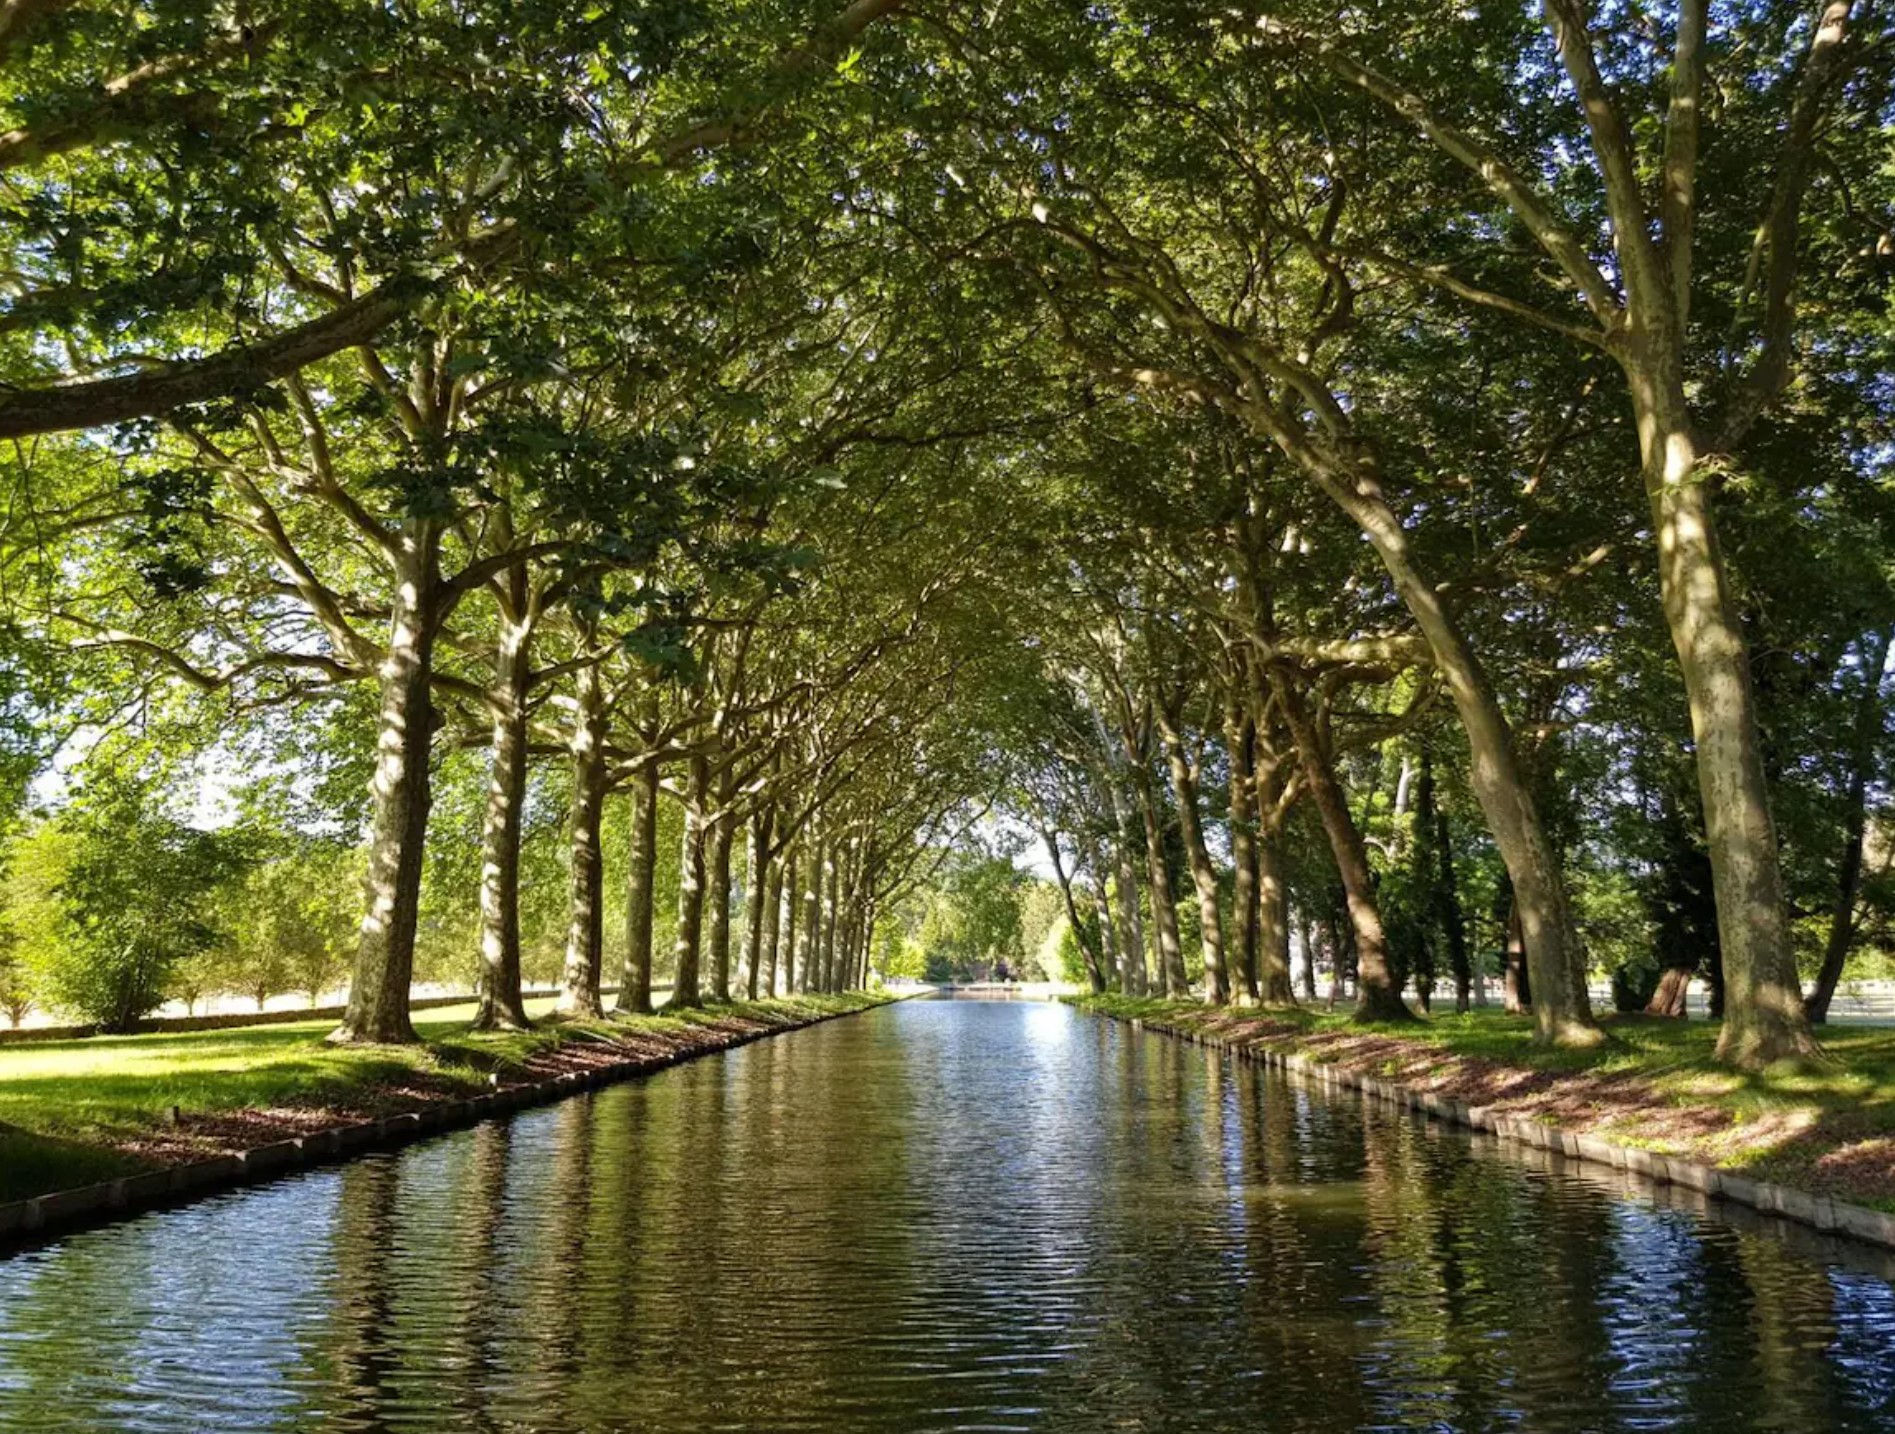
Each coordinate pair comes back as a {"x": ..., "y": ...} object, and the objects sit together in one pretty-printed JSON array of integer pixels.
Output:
[{"x": 947, "y": 1215}]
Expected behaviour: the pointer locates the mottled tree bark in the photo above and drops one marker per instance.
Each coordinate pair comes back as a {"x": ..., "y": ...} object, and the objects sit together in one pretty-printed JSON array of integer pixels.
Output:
[
  {"x": 1764, "y": 1019},
  {"x": 826, "y": 918},
  {"x": 1164, "y": 907},
  {"x": 1132, "y": 976},
  {"x": 1240, "y": 742},
  {"x": 1517, "y": 982},
  {"x": 1563, "y": 1014},
  {"x": 384, "y": 960},
  {"x": 851, "y": 957},
  {"x": 1273, "y": 901},
  {"x": 1670, "y": 997},
  {"x": 717, "y": 845},
  {"x": 1184, "y": 786},
  {"x": 585, "y": 925},
  {"x": 756, "y": 900},
  {"x": 687, "y": 985},
  {"x": 1108, "y": 933},
  {"x": 789, "y": 919},
  {"x": 1330, "y": 934},
  {"x": 772, "y": 931},
  {"x": 1377, "y": 996},
  {"x": 642, "y": 852},
  {"x": 502, "y": 1003},
  {"x": 809, "y": 942}
]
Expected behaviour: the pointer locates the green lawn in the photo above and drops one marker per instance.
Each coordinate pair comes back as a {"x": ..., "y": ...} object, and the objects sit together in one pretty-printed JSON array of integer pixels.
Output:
[
  {"x": 72, "y": 1112},
  {"x": 1655, "y": 1083}
]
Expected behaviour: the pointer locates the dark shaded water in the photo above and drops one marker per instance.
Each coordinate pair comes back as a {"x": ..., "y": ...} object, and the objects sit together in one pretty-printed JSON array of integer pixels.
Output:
[{"x": 945, "y": 1215}]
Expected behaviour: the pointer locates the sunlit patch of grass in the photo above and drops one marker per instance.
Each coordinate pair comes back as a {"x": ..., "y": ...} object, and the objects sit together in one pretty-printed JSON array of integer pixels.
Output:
[
  {"x": 71, "y": 1112},
  {"x": 106, "y": 1086}
]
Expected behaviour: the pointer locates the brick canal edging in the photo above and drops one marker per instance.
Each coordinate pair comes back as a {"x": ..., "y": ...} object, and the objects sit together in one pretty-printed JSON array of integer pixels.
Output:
[
  {"x": 26, "y": 1221},
  {"x": 1820, "y": 1212}
]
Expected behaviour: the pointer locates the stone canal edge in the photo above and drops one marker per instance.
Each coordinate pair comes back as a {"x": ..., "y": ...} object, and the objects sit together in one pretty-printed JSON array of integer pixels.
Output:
[{"x": 1823, "y": 1213}]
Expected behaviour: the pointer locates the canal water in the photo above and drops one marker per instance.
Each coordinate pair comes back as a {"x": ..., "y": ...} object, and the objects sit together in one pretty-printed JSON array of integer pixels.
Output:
[{"x": 947, "y": 1215}]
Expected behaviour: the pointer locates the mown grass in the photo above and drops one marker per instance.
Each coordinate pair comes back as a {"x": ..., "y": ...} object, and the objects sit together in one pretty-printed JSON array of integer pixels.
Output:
[
  {"x": 72, "y": 1112},
  {"x": 1826, "y": 1125}
]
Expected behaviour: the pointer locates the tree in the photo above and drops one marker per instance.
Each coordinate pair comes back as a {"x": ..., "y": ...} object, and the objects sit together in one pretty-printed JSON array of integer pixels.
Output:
[
  {"x": 1650, "y": 188},
  {"x": 136, "y": 895}
]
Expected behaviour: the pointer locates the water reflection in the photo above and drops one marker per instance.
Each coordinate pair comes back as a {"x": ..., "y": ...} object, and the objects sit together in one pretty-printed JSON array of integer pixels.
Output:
[{"x": 948, "y": 1215}]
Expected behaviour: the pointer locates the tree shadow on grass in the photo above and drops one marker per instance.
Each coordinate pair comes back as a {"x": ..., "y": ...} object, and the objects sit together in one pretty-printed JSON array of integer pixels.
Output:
[
  {"x": 1829, "y": 1129},
  {"x": 35, "y": 1164}
]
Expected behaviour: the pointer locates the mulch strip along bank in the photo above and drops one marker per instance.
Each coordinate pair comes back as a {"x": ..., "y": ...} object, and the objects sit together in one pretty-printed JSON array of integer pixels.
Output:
[
  {"x": 210, "y": 1151},
  {"x": 1493, "y": 1097}
]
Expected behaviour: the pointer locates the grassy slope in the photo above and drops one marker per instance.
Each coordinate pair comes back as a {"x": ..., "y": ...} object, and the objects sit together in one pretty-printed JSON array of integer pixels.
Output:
[
  {"x": 1828, "y": 1128},
  {"x": 72, "y": 1112}
]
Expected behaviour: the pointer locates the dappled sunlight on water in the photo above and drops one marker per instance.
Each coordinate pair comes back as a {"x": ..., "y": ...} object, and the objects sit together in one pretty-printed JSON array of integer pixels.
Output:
[{"x": 947, "y": 1215}]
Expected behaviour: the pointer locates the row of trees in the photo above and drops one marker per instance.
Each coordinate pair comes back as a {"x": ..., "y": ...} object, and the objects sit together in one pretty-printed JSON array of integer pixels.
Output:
[
  {"x": 568, "y": 446},
  {"x": 1191, "y": 424},
  {"x": 977, "y": 917},
  {"x": 1394, "y": 296}
]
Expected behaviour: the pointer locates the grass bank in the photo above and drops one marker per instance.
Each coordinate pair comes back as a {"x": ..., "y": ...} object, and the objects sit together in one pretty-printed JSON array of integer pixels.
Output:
[
  {"x": 1828, "y": 1129},
  {"x": 76, "y": 1112}
]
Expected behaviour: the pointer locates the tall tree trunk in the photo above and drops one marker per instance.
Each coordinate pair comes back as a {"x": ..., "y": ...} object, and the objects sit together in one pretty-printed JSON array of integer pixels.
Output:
[
  {"x": 1258, "y": 770},
  {"x": 1306, "y": 933},
  {"x": 385, "y": 954},
  {"x": 851, "y": 978},
  {"x": 783, "y": 936},
  {"x": 831, "y": 882},
  {"x": 687, "y": 985},
  {"x": 1433, "y": 817},
  {"x": 1377, "y": 996},
  {"x": 1273, "y": 901},
  {"x": 756, "y": 899},
  {"x": 1184, "y": 786},
  {"x": 1095, "y": 975},
  {"x": 502, "y": 1004},
  {"x": 1164, "y": 907},
  {"x": 1330, "y": 931},
  {"x": 845, "y": 946},
  {"x": 717, "y": 901},
  {"x": 1563, "y": 1010},
  {"x": 640, "y": 888},
  {"x": 1518, "y": 978},
  {"x": 1764, "y": 1019},
  {"x": 852, "y": 914},
  {"x": 809, "y": 942},
  {"x": 585, "y": 925},
  {"x": 1240, "y": 743},
  {"x": 1108, "y": 919},
  {"x": 845, "y": 914},
  {"x": 1132, "y": 978},
  {"x": 1842, "y": 916}
]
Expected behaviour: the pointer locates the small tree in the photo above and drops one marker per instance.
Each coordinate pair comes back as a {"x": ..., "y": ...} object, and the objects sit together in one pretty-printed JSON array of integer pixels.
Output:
[
  {"x": 137, "y": 898},
  {"x": 16, "y": 991}
]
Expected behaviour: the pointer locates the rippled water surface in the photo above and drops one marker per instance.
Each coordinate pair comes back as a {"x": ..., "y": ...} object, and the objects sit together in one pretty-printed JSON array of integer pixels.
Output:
[{"x": 946, "y": 1215}]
